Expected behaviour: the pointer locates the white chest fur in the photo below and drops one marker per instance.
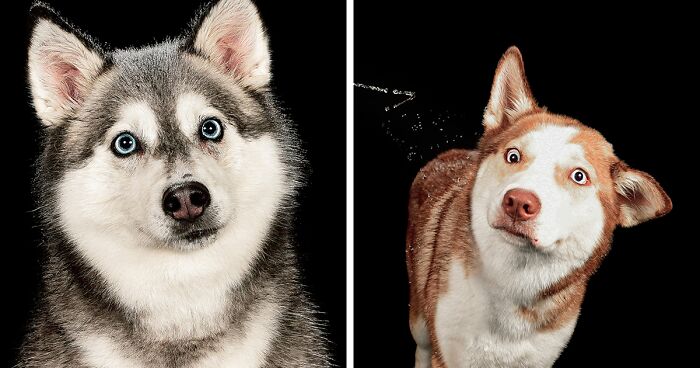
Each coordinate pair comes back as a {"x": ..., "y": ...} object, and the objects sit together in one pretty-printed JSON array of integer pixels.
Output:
[
  {"x": 477, "y": 329},
  {"x": 245, "y": 349}
]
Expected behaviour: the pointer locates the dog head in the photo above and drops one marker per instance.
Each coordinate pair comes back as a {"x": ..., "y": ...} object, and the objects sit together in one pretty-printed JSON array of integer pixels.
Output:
[
  {"x": 548, "y": 184},
  {"x": 168, "y": 146}
]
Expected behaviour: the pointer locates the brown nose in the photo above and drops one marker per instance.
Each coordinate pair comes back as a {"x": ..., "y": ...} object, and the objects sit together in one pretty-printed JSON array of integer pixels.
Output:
[
  {"x": 521, "y": 205},
  {"x": 186, "y": 201}
]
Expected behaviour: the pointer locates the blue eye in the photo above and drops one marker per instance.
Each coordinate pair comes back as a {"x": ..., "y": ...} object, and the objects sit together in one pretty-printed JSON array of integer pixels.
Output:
[
  {"x": 125, "y": 144},
  {"x": 211, "y": 129}
]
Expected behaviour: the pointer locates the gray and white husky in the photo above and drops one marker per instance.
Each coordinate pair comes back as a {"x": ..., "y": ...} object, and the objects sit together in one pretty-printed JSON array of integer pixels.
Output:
[{"x": 166, "y": 188}]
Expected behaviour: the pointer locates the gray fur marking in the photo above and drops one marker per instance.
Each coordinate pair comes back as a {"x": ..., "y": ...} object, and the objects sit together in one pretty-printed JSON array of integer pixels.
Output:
[{"x": 74, "y": 297}]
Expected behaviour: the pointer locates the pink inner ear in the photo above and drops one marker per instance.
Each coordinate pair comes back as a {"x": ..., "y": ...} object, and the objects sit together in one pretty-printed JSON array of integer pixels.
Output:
[
  {"x": 65, "y": 77},
  {"x": 231, "y": 56}
]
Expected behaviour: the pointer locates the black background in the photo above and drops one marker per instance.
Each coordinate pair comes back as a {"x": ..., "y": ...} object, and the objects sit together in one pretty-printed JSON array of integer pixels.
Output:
[
  {"x": 626, "y": 73},
  {"x": 308, "y": 52}
]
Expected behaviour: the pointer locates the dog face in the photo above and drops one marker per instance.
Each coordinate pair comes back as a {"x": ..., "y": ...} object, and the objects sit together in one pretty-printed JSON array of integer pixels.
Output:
[
  {"x": 170, "y": 146},
  {"x": 544, "y": 188},
  {"x": 548, "y": 184},
  {"x": 166, "y": 168}
]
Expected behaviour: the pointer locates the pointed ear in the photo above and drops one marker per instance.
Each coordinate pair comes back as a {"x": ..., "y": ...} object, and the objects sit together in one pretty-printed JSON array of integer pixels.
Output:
[
  {"x": 641, "y": 197},
  {"x": 62, "y": 64},
  {"x": 510, "y": 92},
  {"x": 231, "y": 35}
]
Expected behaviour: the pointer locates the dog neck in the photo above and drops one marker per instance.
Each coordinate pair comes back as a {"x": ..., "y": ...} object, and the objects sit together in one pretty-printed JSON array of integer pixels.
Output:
[
  {"x": 521, "y": 274},
  {"x": 165, "y": 304}
]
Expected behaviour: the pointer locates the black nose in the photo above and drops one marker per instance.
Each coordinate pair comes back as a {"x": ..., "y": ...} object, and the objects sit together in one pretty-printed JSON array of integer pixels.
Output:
[{"x": 186, "y": 201}]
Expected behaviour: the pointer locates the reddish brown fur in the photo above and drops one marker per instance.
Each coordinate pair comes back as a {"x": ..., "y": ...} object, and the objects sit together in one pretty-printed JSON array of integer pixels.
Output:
[
  {"x": 438, "y": 226},
  {"x": 439, "y": 223},
  {"x": 641, "y": 200}
]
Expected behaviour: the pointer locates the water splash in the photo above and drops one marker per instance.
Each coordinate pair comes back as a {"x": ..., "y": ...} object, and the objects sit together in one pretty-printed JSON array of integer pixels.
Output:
[
  {"x": 409, "y": 95},
  {"x": 421, "y": 129},
  {"x": 371, "y": 88}
]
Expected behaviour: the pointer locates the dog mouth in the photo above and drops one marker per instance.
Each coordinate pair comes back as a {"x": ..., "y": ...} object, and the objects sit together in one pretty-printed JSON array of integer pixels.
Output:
[
  {"x": 518, "y": 232},
  {"x": 197, "y": 235}
]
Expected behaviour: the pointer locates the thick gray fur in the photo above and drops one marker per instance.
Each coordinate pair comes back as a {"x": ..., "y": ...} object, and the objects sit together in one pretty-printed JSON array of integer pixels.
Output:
[{"x": 75, "y": 299}]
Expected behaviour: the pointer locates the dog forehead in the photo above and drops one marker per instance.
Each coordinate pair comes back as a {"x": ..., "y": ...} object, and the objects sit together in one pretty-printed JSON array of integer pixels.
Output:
[
  {"x": 162, "y": 74},
  {"x": 157, "y": 73},
  {"x": 556, "y": 138},
  {"x": 551, "y": 142},
  {"x": 563, "y": 145},
  {"x": 158, "y": 76}
]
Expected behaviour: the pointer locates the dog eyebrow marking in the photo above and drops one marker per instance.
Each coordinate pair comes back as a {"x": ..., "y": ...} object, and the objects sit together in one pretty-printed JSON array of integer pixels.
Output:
[
  {"x": 139, "y": 118},
  {"x": 598, "y": 153},
  {"x": 191, "y": 108}
]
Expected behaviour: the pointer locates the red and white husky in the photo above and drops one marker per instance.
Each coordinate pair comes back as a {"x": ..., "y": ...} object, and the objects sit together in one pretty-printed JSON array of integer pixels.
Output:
[{"x": 501, "y": 241}]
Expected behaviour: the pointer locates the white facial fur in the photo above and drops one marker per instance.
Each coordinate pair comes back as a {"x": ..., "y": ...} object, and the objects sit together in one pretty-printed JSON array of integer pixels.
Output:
[
  {"x": 111, "y": 209},
  {"x": 571, "y": 218}
]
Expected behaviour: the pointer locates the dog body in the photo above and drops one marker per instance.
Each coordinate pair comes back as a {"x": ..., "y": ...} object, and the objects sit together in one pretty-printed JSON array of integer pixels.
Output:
[
  {"x": 167, "y": 187},
  {"x": 501, "y": 241}
]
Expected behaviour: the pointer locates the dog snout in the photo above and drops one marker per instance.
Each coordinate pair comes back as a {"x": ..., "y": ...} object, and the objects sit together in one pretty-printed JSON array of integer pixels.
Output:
[
  {"x": 186, "y": 201},
  {"x": 521, "y": 205}
]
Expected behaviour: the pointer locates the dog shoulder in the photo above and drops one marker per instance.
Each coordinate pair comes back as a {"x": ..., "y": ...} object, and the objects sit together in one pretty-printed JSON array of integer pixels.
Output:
[{"x": 441, "y": 173}]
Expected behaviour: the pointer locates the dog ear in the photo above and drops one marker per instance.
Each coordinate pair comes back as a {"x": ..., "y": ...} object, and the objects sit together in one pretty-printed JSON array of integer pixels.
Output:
[
  {"x": 510, "y": 92},
  {"x": 640, "y": 196},
  {"x": 232, "y": 36},
  {"x": 63, "y": 64}
]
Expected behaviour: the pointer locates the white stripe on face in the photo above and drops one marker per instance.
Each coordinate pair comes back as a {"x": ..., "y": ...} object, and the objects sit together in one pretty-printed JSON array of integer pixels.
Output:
[
  {"x": 567, "y": 210},
  {"x": 138, "y": 118},
  {"x": 191, "y": 110}
]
